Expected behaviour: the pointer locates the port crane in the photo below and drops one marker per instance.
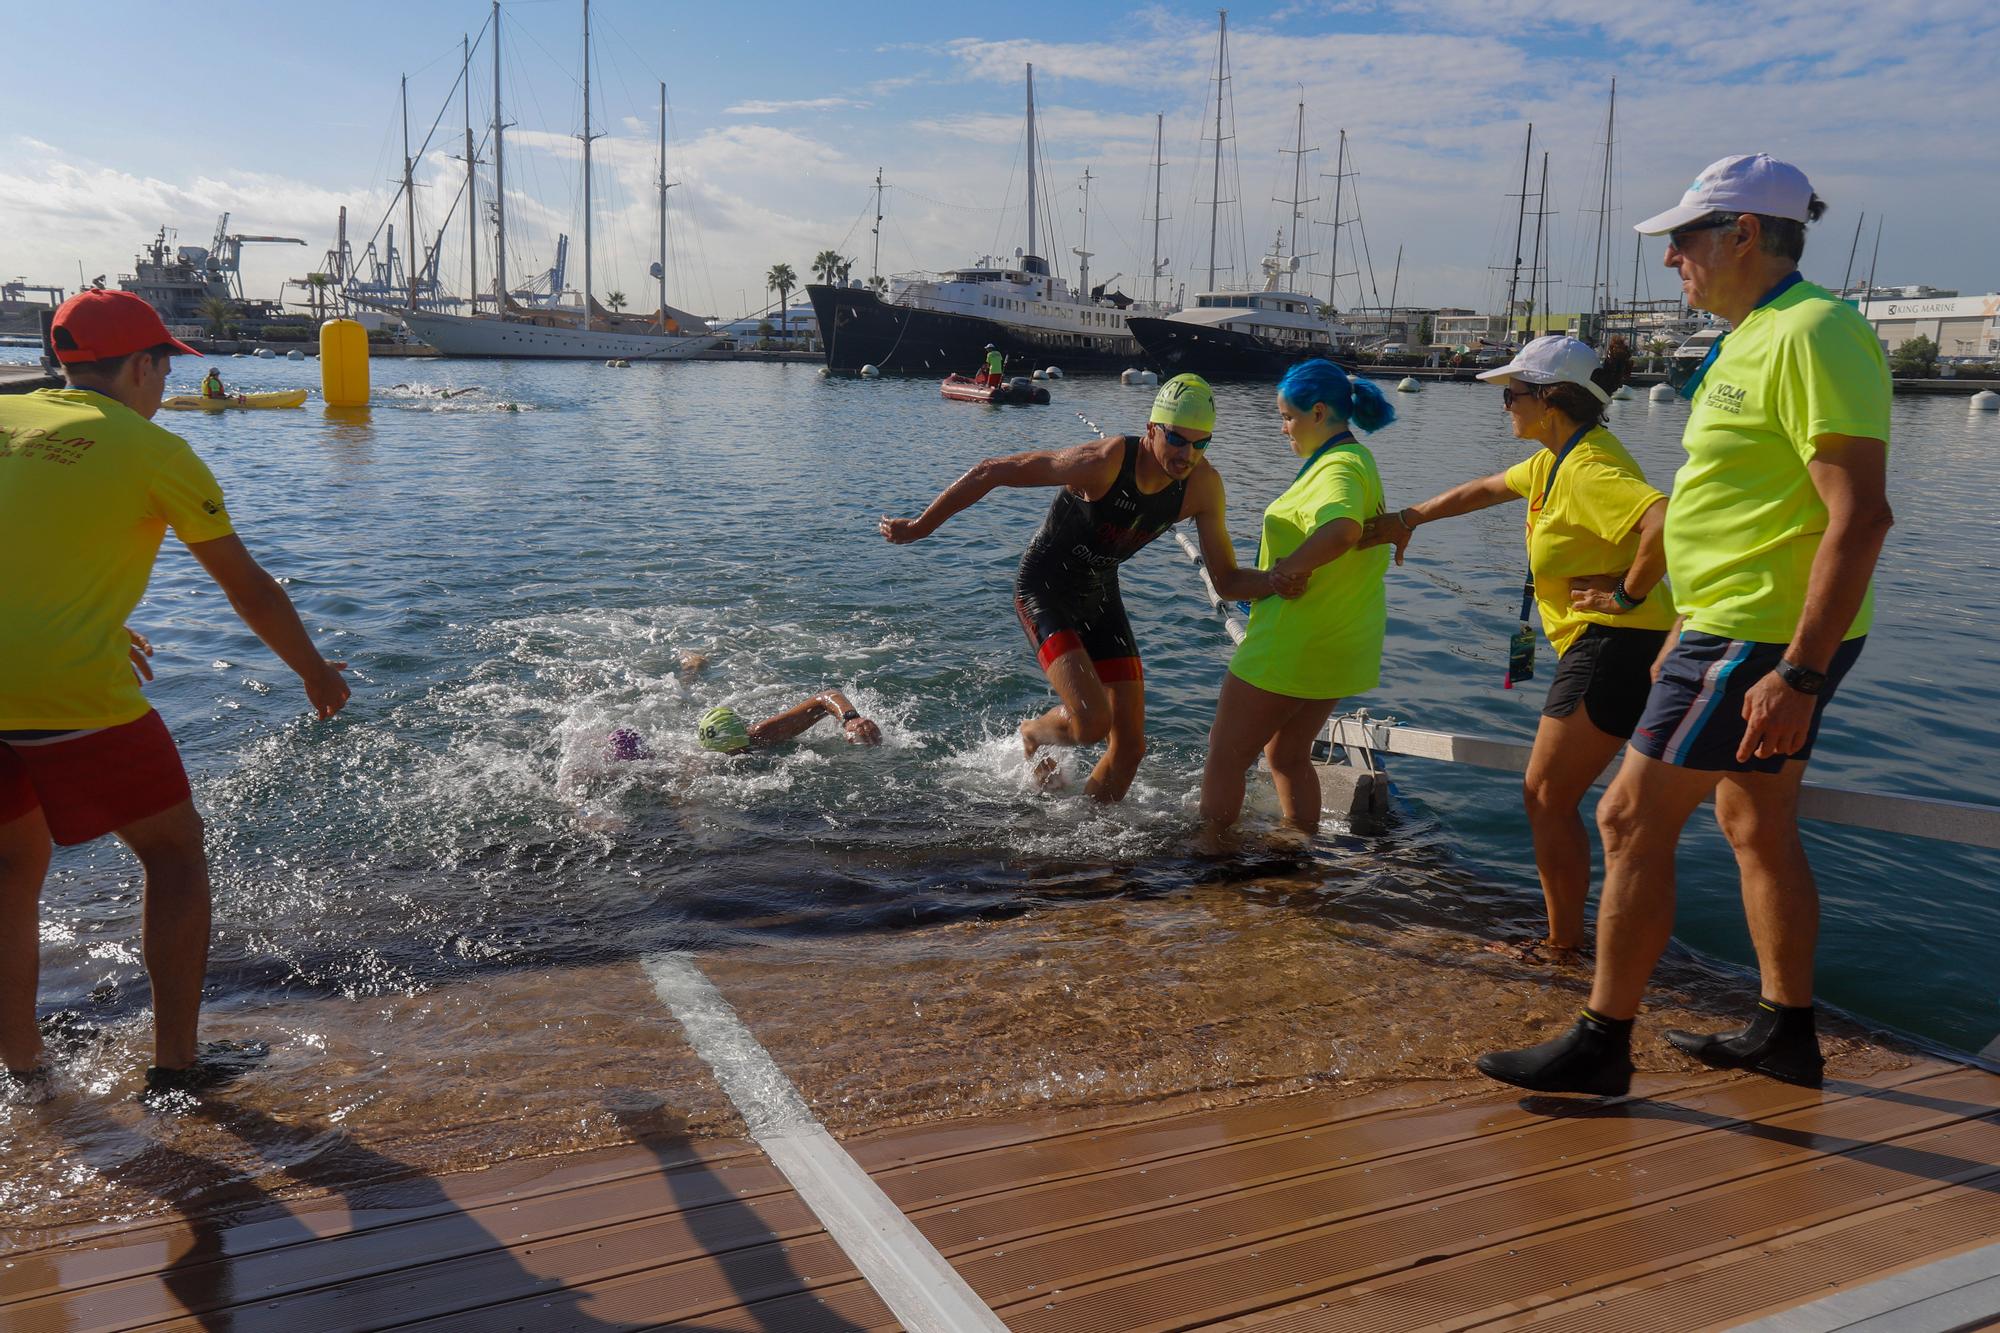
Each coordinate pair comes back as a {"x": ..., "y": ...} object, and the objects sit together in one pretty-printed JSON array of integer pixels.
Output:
[
  {"x": 225, "y": 252},
  {"x": 18, "y": 290}
]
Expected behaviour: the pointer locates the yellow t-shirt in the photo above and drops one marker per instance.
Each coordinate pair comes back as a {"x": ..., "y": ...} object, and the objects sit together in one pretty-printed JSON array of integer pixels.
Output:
[
  {"x": 1745, "y": 522},
  {"x": 88, "y": 488},
  {"x": 1326, "y": 644},
  {"x": 1586, "y": 528}
]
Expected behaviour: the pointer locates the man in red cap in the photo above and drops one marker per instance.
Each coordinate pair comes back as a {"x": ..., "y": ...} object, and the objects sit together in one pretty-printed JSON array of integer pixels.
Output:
[{"x": 88, "y": 487}]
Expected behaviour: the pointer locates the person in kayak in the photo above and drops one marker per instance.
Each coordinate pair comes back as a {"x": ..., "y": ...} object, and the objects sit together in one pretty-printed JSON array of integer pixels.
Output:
[
  {"x": 1116, "y": 495},
  {"x": 211, "y": 384}
]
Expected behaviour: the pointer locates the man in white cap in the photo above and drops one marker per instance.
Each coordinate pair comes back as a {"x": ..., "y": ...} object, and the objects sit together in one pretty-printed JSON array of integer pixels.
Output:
[{"x": 1773, "y": 530}]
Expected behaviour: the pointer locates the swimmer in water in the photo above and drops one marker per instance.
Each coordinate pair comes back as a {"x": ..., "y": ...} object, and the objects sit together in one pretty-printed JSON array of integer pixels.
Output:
[
  {"x": 723, "y": 730},
  {"x": 1115, "y": 495}
]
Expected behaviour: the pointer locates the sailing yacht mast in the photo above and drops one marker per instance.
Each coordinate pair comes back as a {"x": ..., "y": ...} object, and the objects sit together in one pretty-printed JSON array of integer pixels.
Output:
[
  {"x": 1535, "y": 269},
  {"x": 1031, "y": 159},
  {"x": 409, "y": 198},
  {"x": 471, "y": 181},
  {"x": 587, "y": 136},
  {"x": 1298, "y": 152},
  {"x": 499, "y": 183},
  {"x": 1215, "y": 186},
  {"x": 875, "y": 260},
  {"x": 665, "y": 187},
  {"x": 1600, "y": 298},
  {"x": 1333, "y": 267},
  {"x": 1520, "y": 216},
  {"x": 1159, "y": 166}
]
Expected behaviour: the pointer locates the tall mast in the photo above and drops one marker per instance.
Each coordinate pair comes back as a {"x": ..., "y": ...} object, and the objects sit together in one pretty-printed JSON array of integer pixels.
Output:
[
  {"x": 1298, "y": 152},
  {"x": 665, "y": 187},
  {"x": 1600, "y": 255},
  {"x": 1637, "y": 241},
  {"x": 1159, "y": 167},
  {"x": 875, "y": 261},
  {"x": 587, "y": 136},
  {"x": 1215, "y": 186},
  {"x": 1868, "y": 298},
  {"x": 499, "y": 183},
  {"x": 471, "y": 181},
  {"x": 409, "y": 197},
  {"x": 1082, "y": 252},
  {"x": 1535, "y": 270},
  {"x": 1333, "y": 267},
  {"x": 1520, "y": 216},
  {"x": 1031, "y": 159},
  {"x": 1852, "y": 250}
]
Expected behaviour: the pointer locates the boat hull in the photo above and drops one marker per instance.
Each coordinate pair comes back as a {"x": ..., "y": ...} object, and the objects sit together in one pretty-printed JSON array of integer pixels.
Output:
[
  {"x": 966, "y": 390},
  {"x": 456, "y": 335},
  {"x": 188, "y": 402},
  {"x": 1174, "y": 347},
  {"x": 859, "y": 328}
]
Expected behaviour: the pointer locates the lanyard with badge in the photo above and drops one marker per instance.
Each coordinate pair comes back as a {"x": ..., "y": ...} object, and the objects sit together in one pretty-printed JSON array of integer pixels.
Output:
[
  {"x": 1785, "y": 284},
  {"x": 1333, "y": 442},
  {"x": 1521, "y": 644}
]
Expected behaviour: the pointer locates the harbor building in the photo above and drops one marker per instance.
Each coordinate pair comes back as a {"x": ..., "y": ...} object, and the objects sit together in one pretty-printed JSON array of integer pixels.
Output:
[{"x": 1962, "y": 327}]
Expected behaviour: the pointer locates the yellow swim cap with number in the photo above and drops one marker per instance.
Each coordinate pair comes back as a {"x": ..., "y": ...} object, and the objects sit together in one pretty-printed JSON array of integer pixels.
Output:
[
  {"x": 1186, "y": 402},
  {"x": 721, "y": 729}
]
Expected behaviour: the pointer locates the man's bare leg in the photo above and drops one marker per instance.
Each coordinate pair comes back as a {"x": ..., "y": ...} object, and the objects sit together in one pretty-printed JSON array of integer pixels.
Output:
[
  {"x": 24, "y": 861},
  {"x": 1082, "y": 718},
  {"x": 1126, "y": 744},
  {"x": 175, "y": 944}
]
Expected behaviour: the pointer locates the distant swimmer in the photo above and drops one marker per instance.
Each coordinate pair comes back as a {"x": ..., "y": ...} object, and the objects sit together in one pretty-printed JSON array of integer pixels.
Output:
[{"x": 1117, "y": 494}]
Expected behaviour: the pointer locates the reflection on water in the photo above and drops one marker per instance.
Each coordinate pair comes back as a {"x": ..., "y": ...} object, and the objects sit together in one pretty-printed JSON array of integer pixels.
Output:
[{"x": 434, "y": 907}]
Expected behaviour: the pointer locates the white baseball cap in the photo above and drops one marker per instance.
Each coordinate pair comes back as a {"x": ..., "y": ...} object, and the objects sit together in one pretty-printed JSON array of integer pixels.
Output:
[
  {"x": 1554, "y": 359},
  {"x": 1746, "y": 183}
]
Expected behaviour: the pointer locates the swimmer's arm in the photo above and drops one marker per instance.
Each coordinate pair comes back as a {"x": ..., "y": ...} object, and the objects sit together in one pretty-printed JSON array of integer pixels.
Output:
[
  {"x": 268, "y": 611},
  {"x": 803, "y": 715},
  {"x": 1207, "y": 503},
  {"x": 1089, "y": 468},
  {"x": 1467, "y": 498}
]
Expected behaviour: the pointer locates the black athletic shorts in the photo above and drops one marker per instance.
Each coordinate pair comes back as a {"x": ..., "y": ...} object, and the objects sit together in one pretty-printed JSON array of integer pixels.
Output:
[
  {"x": 1694, "y": 716},
  {"x": 1608, "y": 669},
  {"x": 1062, "y": 613}
]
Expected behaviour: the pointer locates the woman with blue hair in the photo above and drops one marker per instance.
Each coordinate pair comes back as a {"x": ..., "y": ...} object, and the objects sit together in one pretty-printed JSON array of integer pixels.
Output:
[{"x": 1300, "y": 657}]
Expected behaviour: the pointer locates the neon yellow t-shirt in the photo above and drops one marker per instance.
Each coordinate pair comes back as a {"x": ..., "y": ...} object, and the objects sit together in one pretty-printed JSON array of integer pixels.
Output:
[
  {"x": 1745, "y": 521},
  {"x": 1326, "y": 644},
  {"x": 1586, "y": 528},
  {"x": 88, "y": 488}
]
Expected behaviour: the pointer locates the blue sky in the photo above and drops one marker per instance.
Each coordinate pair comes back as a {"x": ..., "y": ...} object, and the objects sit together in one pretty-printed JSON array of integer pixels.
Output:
[{"x": 782, "y": 113}]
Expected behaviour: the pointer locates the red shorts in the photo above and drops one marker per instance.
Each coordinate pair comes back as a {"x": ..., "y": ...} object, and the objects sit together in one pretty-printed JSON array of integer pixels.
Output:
[{"x": 92, "y": 784}]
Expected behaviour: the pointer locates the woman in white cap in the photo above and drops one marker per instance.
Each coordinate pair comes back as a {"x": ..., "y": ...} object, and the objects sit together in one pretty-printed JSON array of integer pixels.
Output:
[{"x": 1595, "y": 561}]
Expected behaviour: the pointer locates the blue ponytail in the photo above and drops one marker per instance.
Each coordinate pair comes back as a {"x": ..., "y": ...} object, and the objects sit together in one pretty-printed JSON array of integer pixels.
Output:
[{"x": 1353, "y": 399}]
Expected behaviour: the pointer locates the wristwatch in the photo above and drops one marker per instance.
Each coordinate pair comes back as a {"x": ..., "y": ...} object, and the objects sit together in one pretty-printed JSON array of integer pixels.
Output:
[
  {"x": 1803, "y": 679},
  {"x": 849, "y": 715}
]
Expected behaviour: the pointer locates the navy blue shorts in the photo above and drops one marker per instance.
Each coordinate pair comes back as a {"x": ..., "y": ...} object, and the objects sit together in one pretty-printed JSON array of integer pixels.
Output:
[{"x": 1694, "y": 715}]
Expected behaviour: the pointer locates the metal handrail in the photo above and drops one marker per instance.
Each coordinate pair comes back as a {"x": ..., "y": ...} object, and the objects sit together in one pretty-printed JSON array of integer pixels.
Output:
[{"x": 1969, "y": 822}]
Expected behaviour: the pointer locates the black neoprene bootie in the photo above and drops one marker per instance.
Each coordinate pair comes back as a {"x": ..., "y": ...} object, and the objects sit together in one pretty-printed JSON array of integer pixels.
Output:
[
  {"x": 1594, "y": 1057},
  {"x": 1778, "y": 1042}
]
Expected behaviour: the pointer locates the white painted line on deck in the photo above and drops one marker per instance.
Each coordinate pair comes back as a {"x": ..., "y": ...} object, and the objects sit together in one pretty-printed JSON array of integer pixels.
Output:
[{"x": 918, "y": 1284}]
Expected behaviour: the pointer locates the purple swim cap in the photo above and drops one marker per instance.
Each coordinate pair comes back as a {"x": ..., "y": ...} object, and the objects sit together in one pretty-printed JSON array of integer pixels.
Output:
[{"x": 625, "y": 743}]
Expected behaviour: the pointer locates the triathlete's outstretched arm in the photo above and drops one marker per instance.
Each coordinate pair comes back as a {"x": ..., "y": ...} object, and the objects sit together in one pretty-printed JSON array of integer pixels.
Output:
[
  {"x": 801, "y": 716},
  {"x": 1471, "y": 496},
  {"x": 1090, "y": 468},
  {"x": 1207, "y": 504}
]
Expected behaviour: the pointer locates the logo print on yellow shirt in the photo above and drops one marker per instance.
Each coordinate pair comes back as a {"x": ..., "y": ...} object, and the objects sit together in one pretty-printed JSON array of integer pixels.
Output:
[{"x": 1726, "y": 398}]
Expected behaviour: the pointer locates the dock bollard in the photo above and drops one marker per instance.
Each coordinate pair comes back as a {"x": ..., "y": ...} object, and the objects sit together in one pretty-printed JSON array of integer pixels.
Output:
[{"x": 343, "y": 363}]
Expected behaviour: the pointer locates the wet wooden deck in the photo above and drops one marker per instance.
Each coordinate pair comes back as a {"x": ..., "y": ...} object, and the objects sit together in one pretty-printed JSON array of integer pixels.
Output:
[{"x": 1709, "y": 1200}]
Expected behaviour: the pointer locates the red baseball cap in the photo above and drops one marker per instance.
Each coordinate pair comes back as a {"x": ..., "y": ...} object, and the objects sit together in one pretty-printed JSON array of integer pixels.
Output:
[{"x": 98, "y": 324}]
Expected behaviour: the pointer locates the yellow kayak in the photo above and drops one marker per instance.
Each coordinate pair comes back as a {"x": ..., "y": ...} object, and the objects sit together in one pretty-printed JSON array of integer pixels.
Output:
[{"x": 188, "y": 402}]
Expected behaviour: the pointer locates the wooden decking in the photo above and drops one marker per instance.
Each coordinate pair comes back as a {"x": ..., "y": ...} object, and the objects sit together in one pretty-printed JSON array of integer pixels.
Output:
[{"x": 1704, "y": 1202}]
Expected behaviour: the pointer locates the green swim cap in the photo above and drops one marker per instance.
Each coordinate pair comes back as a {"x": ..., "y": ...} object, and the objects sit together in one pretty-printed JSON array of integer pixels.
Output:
[
  {"x": 722, "y": 730},
  {"x": 1187, "y": 402}
]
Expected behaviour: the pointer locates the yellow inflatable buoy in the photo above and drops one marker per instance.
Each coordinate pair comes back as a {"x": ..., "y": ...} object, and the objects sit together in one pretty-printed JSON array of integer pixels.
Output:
[{"x": 343, "y": 363}]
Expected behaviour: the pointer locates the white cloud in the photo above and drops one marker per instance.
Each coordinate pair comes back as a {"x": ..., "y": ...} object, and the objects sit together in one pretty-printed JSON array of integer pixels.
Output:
[{"x": 762, "y": 108}]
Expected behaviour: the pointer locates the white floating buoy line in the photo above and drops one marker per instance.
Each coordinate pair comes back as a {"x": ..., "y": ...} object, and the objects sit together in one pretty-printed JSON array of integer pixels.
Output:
[
  {"x": 1138, "y": 377},
  {"x": 1986, "y": 401},
  {"x": 871, "y": 372},
  {"x": 1408, "y": 384},
  {"x": 1661, "y": 393}
]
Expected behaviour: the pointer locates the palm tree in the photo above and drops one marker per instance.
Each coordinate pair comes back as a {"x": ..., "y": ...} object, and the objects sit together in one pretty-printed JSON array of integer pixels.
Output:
[
  {"x": 826, "y": 265},
  {"x": 616, "y": 300},
  {"x": 846, "y": 267},
  {"x": 317, "y": 284},
  {"x": 781, "y": 280},
  {"x": 220, "y": 315},
  {"x": 878, "y": 284}
]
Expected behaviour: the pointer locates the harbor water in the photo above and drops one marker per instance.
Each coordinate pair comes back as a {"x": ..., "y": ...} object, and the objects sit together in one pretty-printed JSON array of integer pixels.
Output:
[{"x": 436, "y": 907}]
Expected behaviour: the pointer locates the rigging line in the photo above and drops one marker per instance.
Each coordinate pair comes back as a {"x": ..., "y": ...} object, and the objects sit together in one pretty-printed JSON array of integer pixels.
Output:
[
  {"x": 946, "y": 203},
  {"x": 1020, "y": 144}
]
